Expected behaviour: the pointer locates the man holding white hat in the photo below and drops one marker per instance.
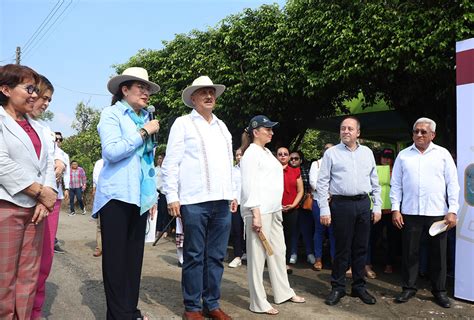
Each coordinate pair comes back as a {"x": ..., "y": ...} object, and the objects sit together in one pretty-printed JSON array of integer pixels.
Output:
[
  {"x": 425, "y": 183},
  {"x": 197, "y": 182}
]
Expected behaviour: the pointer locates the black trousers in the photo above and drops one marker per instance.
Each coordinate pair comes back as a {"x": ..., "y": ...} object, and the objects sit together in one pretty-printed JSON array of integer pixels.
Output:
[
  {"x": 123, "y": 241},
  {"x": 163, "y": 216},
  {"x": 290, "y": 226},
  {"x": 351, "y": 221},
  {"x": 237, "y": 233},
  {"x": 412, "y": 231}
]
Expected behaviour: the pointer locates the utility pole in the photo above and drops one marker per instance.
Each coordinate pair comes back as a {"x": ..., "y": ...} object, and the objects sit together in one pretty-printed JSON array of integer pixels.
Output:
[{"x": 18, "y": 55}]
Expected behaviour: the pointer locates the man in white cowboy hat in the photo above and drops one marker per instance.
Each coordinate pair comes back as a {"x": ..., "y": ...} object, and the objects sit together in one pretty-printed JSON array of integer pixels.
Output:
[{"x": 197, "y": 182}]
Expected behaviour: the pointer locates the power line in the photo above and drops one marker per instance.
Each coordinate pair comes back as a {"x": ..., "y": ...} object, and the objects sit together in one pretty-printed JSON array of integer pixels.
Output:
[
  {"x": 43, "y": 24},
  {"x": 77, "y": 91},
  {"x": 30, "y": 49}
]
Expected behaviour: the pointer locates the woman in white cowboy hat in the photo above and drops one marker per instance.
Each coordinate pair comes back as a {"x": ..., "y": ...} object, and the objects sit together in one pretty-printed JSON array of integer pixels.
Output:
[
  {"x": 197, "y": 182},
  {"x": 126, "y": 190}
]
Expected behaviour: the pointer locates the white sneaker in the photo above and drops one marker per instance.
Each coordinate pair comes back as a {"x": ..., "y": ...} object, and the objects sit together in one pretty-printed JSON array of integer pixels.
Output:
[
  {"x": 293, "y": 258},
  {"x": 311, "y": 258},
  {"x": 244, "y": 257},
  {"x": 84, "y": 212},
  {"x": 237, "y": 262}
]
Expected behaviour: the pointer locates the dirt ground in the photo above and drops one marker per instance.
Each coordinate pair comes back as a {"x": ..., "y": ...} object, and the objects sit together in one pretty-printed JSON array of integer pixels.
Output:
[{"x": 75, "y": 289}]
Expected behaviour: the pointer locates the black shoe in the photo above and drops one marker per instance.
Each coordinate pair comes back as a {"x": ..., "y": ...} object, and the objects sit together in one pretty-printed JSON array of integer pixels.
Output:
[
  {"x": 442, "y": 300},
  {"x": 364, "y": 295},
  {"x": 405, "y": 296},
  {"x": 57, "y": 249},
  {"x": 334, "y": 297}
]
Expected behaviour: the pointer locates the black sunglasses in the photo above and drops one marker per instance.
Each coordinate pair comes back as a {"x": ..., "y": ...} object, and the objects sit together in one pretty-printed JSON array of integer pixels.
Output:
[{"x": 59, "y": 139}]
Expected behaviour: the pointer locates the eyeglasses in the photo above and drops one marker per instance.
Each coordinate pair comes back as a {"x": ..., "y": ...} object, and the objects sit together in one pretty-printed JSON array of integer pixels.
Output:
[
  {"x": 59, "y": 139},
  {"x": 294, "y": 158},
  {"x": 417, "y": 131},
  {"x": 143, "y": 88},
  {"x": 283, "y": 154},
  {"x": 31, "y": 88}
]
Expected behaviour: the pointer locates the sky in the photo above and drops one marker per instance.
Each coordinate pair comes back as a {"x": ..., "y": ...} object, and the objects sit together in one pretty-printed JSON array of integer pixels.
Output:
[{"x": 75, "y": 43}]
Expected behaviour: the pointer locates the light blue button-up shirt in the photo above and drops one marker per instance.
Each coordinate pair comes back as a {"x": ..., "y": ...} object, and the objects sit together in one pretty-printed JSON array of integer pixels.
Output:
[
  {"x": 348, "y": 173},
  {"x": 120, "y": 177}
]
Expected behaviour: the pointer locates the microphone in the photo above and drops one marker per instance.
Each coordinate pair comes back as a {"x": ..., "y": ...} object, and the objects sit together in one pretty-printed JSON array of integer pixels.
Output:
[{"x": 154, "y": 136}]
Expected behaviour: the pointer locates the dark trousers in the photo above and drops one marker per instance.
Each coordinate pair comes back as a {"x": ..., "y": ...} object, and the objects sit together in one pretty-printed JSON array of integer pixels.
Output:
[
  {"x": 306, "y": 229},
  {"x": 78, "y": 193},
  {"x": 290, "y": 227},
  {"x": 237, "y": 233},
  {"x": 123, "y": 241},
  {"x": 163, "y": 216},
  {"x": 351, "y": 221},
  {"x": 414, "y": 228}
]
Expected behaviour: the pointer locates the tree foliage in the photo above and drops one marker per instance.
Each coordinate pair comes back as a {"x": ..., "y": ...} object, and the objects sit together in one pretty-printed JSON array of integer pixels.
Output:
[
  {"x": 84, "y": 147},
  {"x": 303, "y": 61},
  {"x": 48, "y": 115}
]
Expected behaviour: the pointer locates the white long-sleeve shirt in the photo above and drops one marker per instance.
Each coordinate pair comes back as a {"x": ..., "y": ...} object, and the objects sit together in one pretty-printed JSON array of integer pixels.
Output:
[
  {"x": 236, "y": 182},
  {"x": 313, "y": 176},
  {"x": 262, "y": 181},
  {"x": 424, "y": 182},
  {"x": 198, "y": 163}
]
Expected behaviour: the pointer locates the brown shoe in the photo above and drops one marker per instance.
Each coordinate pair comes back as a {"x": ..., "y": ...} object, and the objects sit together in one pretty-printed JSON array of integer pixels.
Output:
[
  {"x": 318, "y": 265},
  {"x": 97, "y": 252},
  {"x": 217, "y": 314},
  {"x": 192, "y": 315}
]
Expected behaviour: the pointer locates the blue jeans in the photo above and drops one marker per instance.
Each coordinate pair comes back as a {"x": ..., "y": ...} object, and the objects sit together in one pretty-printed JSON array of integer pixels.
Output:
[
  {"x": 319, "y": 234},
  {"x": 206, "y": 233},
  {"x": 78, "y": 193}
]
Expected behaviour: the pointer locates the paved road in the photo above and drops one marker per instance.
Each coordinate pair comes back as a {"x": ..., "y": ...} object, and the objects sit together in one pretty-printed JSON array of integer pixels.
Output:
[{"x": 75, "y": 288}]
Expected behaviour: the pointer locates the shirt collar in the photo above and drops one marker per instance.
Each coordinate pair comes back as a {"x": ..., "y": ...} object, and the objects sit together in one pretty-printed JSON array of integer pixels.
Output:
[
  {"x": 343, "y": 146},
  {"x": 125, "y": 109},
  {"x": 196, "y": 115},
  {"x": 432, "y": 146}
]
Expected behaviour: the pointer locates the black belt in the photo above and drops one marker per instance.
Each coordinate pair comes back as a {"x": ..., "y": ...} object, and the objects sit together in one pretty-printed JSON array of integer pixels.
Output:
[{"x": 357, "y": 197}]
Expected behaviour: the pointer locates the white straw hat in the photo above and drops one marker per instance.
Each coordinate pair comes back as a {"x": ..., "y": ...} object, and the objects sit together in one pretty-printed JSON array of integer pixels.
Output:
[
  {"x": 201, "y": 82},
  {"x": 135, "y": 74}
]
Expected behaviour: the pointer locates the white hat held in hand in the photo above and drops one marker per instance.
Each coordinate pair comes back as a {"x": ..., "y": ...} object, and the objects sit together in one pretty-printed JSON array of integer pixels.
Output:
[
  {"x": 134, "y": 74},
  {"x": 201, "y": 82}
]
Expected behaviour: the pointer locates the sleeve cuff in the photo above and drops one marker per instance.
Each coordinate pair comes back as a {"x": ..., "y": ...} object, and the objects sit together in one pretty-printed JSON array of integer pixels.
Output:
[
  {"x": 377, "y": 209},
  {"x": 395, "y": 206},
  {"x": 172, "y": 197},
  {"x": 325, "y": 212}
]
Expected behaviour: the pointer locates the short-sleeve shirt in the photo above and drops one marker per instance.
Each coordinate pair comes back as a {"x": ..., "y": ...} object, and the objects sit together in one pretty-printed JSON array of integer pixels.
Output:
[{"x": 290, "y": 175}]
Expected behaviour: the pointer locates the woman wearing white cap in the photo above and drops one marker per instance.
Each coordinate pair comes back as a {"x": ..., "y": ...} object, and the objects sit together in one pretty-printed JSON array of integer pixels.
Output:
[
  {"x": 126, "y": 190},
  {"x": 262, "y": 187}
]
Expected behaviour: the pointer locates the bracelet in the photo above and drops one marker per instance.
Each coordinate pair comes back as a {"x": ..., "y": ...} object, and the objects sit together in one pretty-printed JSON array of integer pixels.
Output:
[
  {"x": 145, "y": 135},
  {"x": 38, "y": 194}
]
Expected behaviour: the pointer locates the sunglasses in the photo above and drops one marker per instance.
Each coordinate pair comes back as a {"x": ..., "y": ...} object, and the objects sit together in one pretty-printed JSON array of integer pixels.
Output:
[
  {"x": 59, "y": 139},
  {"x": 31, "y": 88},
  {"x": 283, "y": 154},
  {"x": 295, "y": 159},
  {"x": 417, "y": 131}
]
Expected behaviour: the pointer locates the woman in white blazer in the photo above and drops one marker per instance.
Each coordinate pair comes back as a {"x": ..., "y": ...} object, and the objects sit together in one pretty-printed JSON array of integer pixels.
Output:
[
  {"x": 27, "y": 191},
  {"x": 262, "y": 187}
]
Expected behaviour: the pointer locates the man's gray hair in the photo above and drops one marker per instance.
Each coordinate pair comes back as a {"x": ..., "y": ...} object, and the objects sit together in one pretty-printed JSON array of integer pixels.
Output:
[{"x": 428, "y": 121}]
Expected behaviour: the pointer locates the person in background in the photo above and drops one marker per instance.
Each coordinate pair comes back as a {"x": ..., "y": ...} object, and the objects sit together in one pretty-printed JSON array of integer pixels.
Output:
[
  {"x": 126, "y": 190},
  {"x": 320, "y": 229},
  {"x": 163, "y": 216},
  {"x": 292, "y": 194},
  {"x": 197, "y": 182},
  {"x": 305, "y": 224},
  {"x": 262, "y": 186},
  {"x": 98, "y": 165},
  {"x": 77, "y": 186},
  {"x": 347, "y": 177},
  {"x": 424, "y": 190},
  {"x": 27, "y": 191},
  {"x": 61, "y": 167},
  {"x": 237, "y": 230},
  {"x": 63, "y": 182}
]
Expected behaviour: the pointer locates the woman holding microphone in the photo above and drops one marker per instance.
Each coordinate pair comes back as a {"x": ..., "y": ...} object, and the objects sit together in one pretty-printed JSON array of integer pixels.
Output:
[{"x": 126, "y": 190}]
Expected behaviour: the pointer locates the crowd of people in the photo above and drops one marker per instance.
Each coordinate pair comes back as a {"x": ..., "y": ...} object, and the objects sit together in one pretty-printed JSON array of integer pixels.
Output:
[{"x": 266, "y": 200}]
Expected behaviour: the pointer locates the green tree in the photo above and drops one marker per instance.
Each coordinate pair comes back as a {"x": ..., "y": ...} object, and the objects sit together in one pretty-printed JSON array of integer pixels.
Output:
[{"x": 48, "y": 115}]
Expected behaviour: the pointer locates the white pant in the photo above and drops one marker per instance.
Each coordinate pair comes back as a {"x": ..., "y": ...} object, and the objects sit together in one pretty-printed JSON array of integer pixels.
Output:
[{"x": 273, "y": 229}]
